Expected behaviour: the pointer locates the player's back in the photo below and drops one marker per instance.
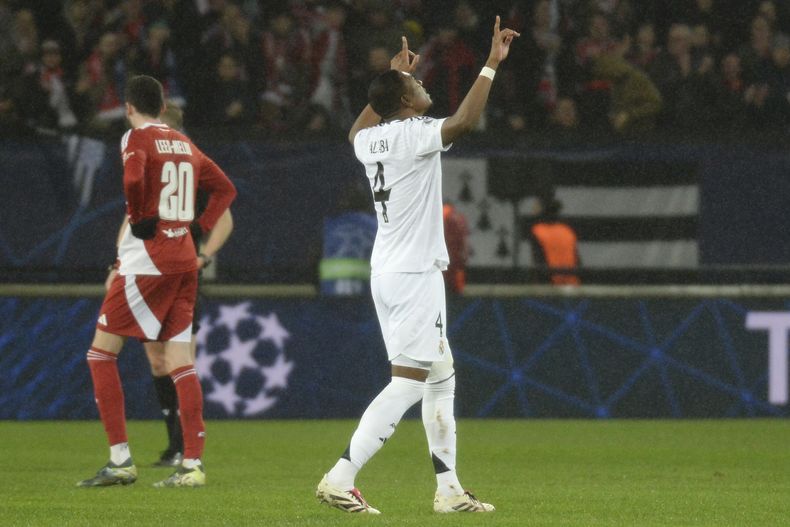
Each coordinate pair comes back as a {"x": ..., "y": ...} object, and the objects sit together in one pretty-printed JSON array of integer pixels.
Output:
[
  {"x": 403, "y": 164},
  {"x": 169, "y": 175}
]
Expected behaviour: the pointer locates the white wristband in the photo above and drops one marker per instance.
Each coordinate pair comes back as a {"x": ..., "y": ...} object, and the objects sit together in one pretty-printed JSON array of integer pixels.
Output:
[{"x": 488, "y": 72}]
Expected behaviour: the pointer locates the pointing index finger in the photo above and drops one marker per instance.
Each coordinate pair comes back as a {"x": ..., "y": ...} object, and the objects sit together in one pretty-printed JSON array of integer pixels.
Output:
[{"x": 496, "y": 24}]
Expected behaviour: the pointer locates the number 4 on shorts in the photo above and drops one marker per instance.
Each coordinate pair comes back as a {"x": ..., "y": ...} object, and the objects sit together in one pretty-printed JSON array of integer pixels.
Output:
[{"x": 439, "y": 324}]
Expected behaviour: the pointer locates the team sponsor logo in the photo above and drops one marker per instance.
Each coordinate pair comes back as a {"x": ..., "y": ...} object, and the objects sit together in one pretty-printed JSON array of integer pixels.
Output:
[
  {"x": 242, "y": 360},
  {"x": 175, "y": 233}
]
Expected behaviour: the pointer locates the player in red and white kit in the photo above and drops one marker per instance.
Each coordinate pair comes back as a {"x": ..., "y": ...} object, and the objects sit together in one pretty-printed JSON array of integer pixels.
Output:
[{"x": 153, "y": 296}]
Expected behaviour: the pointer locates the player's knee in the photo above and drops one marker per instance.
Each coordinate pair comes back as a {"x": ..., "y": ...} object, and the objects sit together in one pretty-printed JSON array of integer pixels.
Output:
[
  {"x": 159, "y": 369},
  {"x": 156, "y": 358}
]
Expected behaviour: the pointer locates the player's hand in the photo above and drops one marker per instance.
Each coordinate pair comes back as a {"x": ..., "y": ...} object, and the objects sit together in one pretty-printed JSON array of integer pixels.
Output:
[
  {"x": 500, "y": 44},
  {"x": 145, "y": 229},
  {"x": 405, "y": 60},
  {"x": 203, "y": 261}
]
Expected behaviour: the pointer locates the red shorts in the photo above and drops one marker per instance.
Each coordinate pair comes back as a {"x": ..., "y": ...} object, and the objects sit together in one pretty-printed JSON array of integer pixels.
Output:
[{"x": 150, "y": 307}]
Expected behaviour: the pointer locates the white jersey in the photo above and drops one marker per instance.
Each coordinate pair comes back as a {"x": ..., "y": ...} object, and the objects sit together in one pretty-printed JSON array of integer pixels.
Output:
[{"x": 403, "y": 163}]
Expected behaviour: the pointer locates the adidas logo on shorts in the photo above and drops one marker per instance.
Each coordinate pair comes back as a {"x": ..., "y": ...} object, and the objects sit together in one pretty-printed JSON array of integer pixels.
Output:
[{"x": 103, "y": 319}]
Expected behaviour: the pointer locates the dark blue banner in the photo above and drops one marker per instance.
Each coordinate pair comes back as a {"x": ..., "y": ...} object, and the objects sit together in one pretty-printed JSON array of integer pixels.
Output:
[
  {"x": 519, "y": 357},
  {"x": 62, "y": 204}
]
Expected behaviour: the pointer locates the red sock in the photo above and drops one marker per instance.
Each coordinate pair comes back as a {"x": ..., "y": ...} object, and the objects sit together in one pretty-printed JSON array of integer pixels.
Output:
[
  {"x": 109, "y": 394},
  {"x": 190, "y": 406}
]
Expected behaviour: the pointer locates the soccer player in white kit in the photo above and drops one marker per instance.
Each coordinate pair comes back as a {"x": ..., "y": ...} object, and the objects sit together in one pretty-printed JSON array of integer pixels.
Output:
[{"x": 401, "y": 151}]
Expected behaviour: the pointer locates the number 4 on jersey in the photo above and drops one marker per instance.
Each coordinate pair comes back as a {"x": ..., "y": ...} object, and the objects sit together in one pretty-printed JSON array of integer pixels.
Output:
[{"x": 381, "y": 195}]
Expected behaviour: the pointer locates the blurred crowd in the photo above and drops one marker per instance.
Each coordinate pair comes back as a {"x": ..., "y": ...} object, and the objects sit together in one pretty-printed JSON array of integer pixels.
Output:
[{"x": 301, "y": 68}]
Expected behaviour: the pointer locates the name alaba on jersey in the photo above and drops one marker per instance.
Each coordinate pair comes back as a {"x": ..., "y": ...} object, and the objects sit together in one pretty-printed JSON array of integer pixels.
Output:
[
  {"x": 402, "y": 161},
  {"x": 162, "y": 170}
]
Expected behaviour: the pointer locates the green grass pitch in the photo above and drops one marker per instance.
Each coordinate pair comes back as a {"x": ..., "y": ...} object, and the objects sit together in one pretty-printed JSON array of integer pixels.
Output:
[{"x": 553, "y": 473}]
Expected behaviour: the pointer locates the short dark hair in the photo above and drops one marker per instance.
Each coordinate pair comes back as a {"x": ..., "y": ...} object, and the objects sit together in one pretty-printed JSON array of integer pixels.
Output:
[
  {"x": 146, "y": 95},
  {"x": 386, "y": 91}
]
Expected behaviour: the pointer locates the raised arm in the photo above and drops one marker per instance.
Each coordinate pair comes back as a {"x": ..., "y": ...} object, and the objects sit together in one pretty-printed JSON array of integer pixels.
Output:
[
  {"x": 405, "y": 61},
  {"x": 468, "y": 113}
]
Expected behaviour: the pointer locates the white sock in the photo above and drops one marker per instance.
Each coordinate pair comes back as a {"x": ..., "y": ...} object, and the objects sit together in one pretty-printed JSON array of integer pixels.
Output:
[
  {"x": 190, "y": 463},
  {"x": 438, "y": 418},
  {"x": 376, "y": 426},
  {"x": 119, "y": 453}
]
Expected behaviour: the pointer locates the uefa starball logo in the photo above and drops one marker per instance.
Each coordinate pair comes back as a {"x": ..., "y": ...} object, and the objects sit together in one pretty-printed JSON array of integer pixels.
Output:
[{"x": 241, "y": 359}]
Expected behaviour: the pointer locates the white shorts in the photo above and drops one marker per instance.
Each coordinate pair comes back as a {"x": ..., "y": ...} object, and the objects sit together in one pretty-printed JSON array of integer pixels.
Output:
[
  {"x": 413, "y": 315},
  {"x": 437, "y": 371}
]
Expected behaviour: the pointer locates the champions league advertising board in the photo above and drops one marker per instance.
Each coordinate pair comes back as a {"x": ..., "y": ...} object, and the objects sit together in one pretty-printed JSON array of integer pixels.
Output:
[{"x": 517, "y": 357}]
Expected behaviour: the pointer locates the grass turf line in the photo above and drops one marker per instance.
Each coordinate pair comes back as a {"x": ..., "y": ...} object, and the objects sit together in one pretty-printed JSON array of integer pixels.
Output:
[{"x": 553, "y": 473}]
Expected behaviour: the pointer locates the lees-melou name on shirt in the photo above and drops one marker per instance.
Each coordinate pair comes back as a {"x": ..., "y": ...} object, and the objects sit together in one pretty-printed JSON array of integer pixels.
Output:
[{"x": 166, "y": 146}]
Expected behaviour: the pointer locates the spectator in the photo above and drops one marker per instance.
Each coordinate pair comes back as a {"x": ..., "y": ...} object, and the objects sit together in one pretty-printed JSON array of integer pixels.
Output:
[
  {"x": 84, "y": 25},
  {"x": 316, "y": 123},
  {"x": 377, "y": 27},
  {"x": 701, "y": 43},
  {"x": 470, "y": 30},
  {"x": 756, "y": 55},
  {"x": 287, "y": 62},
  {"x": 47, "y": 94},
  {"x": 233, "y": 100},
  {"x": 154, "y": 56},
  {"x": 730, "y": 102},
  {"x": 554, "y": 243},
  {"x": 635, "y": 101},
  {"x": 759, "y": 114},
  {"x": 24, "y": 34},
  {"x": 767, "y": 10},
  {"x": 565, "y": 117},
  {"x": 623, "y": 17},
  {"x": 329, "y": 77},
  {"x": 447, "y": 68},
  {"x": 593, "y": 93},
  {"x": 565, "y": 128},
  {"x": 685, "y": 82},
  {"x": 597, "y": 40},
  {"x": 128, "y": 20},
  {"x": 545, "y": 44},
  {"x": 101, "y": 82},
  {"x": 705, "y": 13},
  {"x": 233, "y": 33},
  {"x": 643, "y": 51},
  {"x": 293, "y": 84},
  {"x": 378, "y": 61}
]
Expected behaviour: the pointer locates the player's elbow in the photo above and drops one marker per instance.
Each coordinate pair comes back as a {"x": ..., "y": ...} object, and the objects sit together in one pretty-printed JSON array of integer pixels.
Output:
[{"x": 230, "y": 193}]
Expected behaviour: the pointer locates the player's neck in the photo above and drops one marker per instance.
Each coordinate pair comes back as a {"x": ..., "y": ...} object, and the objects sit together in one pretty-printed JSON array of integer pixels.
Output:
[
  {"x": 402, "y": 115},
  {"x": 138, "y": 120}
]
